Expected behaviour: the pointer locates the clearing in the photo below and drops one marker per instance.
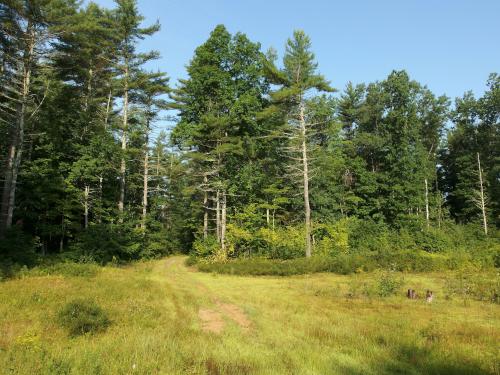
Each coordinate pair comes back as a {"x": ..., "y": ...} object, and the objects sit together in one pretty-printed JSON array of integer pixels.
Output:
[{"x": 169, "y": 319}]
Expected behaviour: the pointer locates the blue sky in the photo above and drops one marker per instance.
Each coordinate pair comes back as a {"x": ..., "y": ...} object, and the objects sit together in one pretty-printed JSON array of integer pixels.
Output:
[{"x": 450, "y": 46}]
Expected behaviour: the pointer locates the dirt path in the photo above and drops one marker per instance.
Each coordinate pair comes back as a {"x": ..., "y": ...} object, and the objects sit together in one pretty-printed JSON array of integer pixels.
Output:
[{"x": 213, "y": 318}]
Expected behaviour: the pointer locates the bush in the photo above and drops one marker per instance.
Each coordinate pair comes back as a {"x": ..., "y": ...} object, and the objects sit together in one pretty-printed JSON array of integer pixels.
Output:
[
  {"x": 82, "y": 316},
  {"x": 388, "y": 284},
  {"x": 105, "y": 243},
  {"x": 205, "y": 247},
  {"x": 17, "y": 249}
]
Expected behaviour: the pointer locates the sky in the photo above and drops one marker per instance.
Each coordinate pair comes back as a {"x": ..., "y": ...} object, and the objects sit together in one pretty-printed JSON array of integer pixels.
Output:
[{"x": 449, "y": 45}]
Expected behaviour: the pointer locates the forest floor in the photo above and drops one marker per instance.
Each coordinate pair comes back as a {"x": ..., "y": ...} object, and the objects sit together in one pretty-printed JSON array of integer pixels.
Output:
[{"x": 169, "y": 319}]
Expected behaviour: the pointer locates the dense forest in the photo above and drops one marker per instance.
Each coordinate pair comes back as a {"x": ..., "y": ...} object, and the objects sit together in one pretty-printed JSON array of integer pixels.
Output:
[{"x": 264, "y": 158}]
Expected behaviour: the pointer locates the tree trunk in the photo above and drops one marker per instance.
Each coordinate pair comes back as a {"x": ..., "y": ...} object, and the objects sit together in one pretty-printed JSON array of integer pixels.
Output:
[
  {"x": 16, "y": 148},
  {"x": 439, "y": 202},
  {"x": 223, "y": 221},
  {"x": 217, "y": 215},
  {"x": 427, "y": 203},
  {"x": 99, "y": 219},
  {"x": 483, "y": 204},
  {"x": 86, "y": 205},
  {"x": 267, "y": 216},
  {"x": 108, "y": 107},
  {"x": 124, "y": 143},
  {"x": 307, "y": 207},
  {"x": 145, "y": 182},
  {"x": 7, "y": 184},
  {"x": 205, "y": 207}
]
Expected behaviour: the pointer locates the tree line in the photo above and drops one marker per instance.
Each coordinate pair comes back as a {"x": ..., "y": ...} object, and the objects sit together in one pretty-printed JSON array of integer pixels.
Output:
[{"x": 263, "y": 151}]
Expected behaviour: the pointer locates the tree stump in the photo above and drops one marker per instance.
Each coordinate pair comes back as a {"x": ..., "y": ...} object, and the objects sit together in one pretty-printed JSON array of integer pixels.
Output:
[
  {"x": 411, "y": 294},
  {"x": 429, "y": 296}
]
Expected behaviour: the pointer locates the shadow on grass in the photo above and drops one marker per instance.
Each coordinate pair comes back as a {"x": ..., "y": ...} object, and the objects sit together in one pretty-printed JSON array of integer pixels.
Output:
[{"x": 411, "y": 359}]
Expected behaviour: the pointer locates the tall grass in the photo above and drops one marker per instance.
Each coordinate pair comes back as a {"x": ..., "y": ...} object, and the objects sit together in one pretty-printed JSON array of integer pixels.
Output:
[{"x": 311, "y": 324}]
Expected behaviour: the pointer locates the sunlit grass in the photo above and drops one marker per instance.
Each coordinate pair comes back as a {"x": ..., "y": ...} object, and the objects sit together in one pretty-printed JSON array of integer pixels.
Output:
[{"x": 313, "y": 324}]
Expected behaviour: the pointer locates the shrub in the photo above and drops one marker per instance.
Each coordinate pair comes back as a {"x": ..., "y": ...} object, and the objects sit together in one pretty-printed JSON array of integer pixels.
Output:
[
  {"x": 433, "y": 240},
  {"x": 17, "y": 247},
  {"x": 388, "y": 284},
  {"x": 332, "y": 238},
  {"x": 83, "y": 316},
  {"x": 205, "y": 247},
  {"x": 103, "y": 243},
  {"x": 282, "y": 243}
]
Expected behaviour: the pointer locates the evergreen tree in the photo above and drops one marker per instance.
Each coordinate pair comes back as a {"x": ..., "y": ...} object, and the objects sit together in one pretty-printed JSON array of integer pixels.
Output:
[{"x": 296, "y": 79}]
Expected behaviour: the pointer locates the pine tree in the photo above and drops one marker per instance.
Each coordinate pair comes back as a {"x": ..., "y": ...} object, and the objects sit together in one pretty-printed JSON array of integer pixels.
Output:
[
  {"x": 296, "y": 79},
  {"x": 129, "y": 62}
]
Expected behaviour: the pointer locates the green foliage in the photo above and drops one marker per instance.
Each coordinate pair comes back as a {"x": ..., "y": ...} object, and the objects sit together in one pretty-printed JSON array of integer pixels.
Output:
[
  {"x": 104, "y": 243},
  {"x": 472, "y": 283},
  {"x": 262, "y": 266},
  {"x": 18, "y": 247},
  {"x": 206, "y": 247},
  {"x": 82, "y": 316},
  {"x": 388, "y": 284},
  {"x": 281, "y": 243}
]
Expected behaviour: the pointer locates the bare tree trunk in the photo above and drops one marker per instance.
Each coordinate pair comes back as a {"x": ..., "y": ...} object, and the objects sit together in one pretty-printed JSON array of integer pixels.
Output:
[
  {"x": 61, "y": 240},
  {"x": 223, "y": 221},
  {"x": 99, "y": 219},
  {"x": 267, "y": 216},
  {"x": 145, "y": 186},
  {"x": 439, "y": 200},
  {"x": 307, "y": 207},
  {"x": 124, "y": 143},
  {"x": 108, "y": 107},
  {"x": 217, "y": 215},
  {"x": 86, "y": 205},
  {"x": 205, "y": 207},
  {"x": 483, "y": 204},
  {"x": 16, "y": 148},
  {"x": 89, "y": 91},
  {"x": 426, "y": 203},
  {"x": 7, "y": 184}
]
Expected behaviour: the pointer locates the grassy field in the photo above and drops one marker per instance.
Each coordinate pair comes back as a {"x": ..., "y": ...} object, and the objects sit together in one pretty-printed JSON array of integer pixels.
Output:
[{"x": 168, "y": 319}]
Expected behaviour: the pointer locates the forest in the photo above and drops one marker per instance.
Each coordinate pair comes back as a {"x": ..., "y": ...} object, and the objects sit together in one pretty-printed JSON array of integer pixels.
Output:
[
  {"x": 249, "y": 218},
  {"x": 264, "y": 158}
]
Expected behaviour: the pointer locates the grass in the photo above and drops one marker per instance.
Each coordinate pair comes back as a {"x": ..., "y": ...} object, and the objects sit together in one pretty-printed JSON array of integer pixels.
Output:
[{"x": 311, "y": 324}]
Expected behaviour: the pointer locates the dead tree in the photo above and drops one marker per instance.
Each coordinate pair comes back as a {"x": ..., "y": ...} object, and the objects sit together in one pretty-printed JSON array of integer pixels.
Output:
[{"x": 481, "y": 202}]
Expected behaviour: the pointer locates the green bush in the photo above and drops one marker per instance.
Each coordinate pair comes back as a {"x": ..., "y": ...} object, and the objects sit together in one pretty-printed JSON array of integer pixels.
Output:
[
  {"x": 205, "y": 247},
  {"x": 83, "y": 316},
  {"x": 388, "y": 284},
  {"x": 105, "y": 243},
  {"x": 17, "y": 249},
  {"x": 191, "y": 261}
]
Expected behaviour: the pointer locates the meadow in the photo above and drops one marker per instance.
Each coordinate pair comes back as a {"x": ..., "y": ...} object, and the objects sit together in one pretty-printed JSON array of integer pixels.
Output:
[{"x": 168, "y": 318}]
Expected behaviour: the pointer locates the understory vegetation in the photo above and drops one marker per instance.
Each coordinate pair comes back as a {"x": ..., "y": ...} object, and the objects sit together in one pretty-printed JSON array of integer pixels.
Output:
[{"x": 349, "y": 246}]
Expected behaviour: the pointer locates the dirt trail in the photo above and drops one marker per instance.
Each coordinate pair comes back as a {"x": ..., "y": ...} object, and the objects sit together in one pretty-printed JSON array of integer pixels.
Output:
[
  {"x": 212, "y": 319},
  {"x": 236, "y": 314}
]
